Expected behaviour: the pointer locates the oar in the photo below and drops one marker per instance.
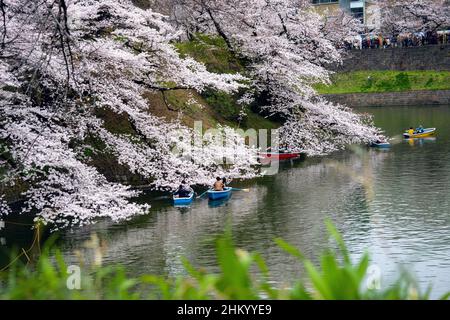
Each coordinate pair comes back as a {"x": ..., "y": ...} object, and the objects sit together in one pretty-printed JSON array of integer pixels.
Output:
[{"x": 237, "y": 189}]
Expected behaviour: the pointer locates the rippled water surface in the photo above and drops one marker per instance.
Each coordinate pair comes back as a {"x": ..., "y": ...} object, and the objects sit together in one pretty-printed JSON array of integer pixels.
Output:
[{"x": 393, "y": 203}]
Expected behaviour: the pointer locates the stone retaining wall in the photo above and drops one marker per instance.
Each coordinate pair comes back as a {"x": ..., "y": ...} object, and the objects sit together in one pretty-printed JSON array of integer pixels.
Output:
[
  {"x": 392, "y": 98},
  {"x": 432, "y": 57}
]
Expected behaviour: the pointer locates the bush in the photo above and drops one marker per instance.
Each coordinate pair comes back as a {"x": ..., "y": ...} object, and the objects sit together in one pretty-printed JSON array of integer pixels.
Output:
[
  {"x": 402, "y": 81},
  {"x": 224, "y": 104}
]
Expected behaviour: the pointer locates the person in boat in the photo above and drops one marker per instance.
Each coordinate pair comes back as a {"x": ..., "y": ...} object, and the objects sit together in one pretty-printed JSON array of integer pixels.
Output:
[
  {"x": 380, "y": 140},
  {"x": 184, "y": 190},
  {"x": 218, "y": 185},
  {"x": 420, "y": 129},
  {"x": 282, "y": 148},
  {"x": 224, "y": 181},
  {"x": 411, "y": 131}
]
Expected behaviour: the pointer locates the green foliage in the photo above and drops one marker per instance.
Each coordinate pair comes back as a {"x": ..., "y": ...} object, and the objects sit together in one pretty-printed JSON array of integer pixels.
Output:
[
  {"x": 223, "y": 103},
  {"x": 213, "y": 52},
  {"x": 47, "y": 279},
  {"x": 88, "y": 152},
  {"x": 227, "y": 108},
  {"x": 336, "y": 277},
  {"x": 334, "y": 280},
  {"x": 114, "y": 122},
  {"x": 386, "y": 81},
  {"x": 4, "y": 155},
  {"x": 402, "y": 81}
]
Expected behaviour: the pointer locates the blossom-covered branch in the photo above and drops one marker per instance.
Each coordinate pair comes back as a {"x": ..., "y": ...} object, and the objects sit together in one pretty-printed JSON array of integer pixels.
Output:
[{"x": 399, "y": 16}]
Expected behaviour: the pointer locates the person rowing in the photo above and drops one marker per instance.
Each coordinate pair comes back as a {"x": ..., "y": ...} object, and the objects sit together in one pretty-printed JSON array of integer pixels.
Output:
[
  {"x": 184, "y": 190},
  {"x": 218, "y": 185},
  {"x": 411, "y": 131}
]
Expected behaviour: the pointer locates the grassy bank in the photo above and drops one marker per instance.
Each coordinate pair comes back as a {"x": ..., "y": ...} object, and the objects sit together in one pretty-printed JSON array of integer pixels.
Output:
[{"x": 386, "y": 81}]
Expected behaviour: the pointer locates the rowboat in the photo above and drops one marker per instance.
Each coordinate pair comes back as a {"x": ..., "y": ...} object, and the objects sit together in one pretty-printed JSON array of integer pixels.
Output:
[
  {"x": 279, "y": 155},
  {"x": 214, "y": 195},
  {"x": 426, "y": 133},
  {"x": 381, "y": 145},
  {"x": 183, "y": 200}
]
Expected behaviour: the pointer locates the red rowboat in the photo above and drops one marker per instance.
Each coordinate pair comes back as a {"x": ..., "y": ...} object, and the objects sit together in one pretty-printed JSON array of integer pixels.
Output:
[{"x": 271, "y": 156}]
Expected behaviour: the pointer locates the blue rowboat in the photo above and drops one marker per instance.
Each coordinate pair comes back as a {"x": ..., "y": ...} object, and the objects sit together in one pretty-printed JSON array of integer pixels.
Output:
[
  {"x": 183, "y": 200},
  {"x": 214, "y": 195},
  {"x": 381, "y": 145}
]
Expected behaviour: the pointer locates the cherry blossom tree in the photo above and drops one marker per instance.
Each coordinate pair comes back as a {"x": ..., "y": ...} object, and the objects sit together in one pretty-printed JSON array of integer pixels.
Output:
[
  {"x": 62, "y": 61},
  {"x": 339, "y": 26},
  {"x": 287, "y": 46},
  {"x": 322, "y": 127},
  {"x": 414, "y": 16}
]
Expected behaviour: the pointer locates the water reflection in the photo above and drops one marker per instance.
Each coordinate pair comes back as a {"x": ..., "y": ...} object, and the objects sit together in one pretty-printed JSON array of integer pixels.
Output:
[
  {"x": 420, "y": 141},
  {"x": 219, "y": 202},
  {"x": 183, "y": 209}
]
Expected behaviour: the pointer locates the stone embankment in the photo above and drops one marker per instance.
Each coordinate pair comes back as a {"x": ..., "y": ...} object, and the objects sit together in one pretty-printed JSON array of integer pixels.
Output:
[{"x": 436, "y": 57}]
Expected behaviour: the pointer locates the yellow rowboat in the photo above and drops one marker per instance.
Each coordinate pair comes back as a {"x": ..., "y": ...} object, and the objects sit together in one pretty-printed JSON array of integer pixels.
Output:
[{"x": 426, "y": 133}]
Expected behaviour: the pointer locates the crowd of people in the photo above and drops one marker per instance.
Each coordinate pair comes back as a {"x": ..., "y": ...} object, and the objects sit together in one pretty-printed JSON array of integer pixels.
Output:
[{"x": 377, "y": 41}]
